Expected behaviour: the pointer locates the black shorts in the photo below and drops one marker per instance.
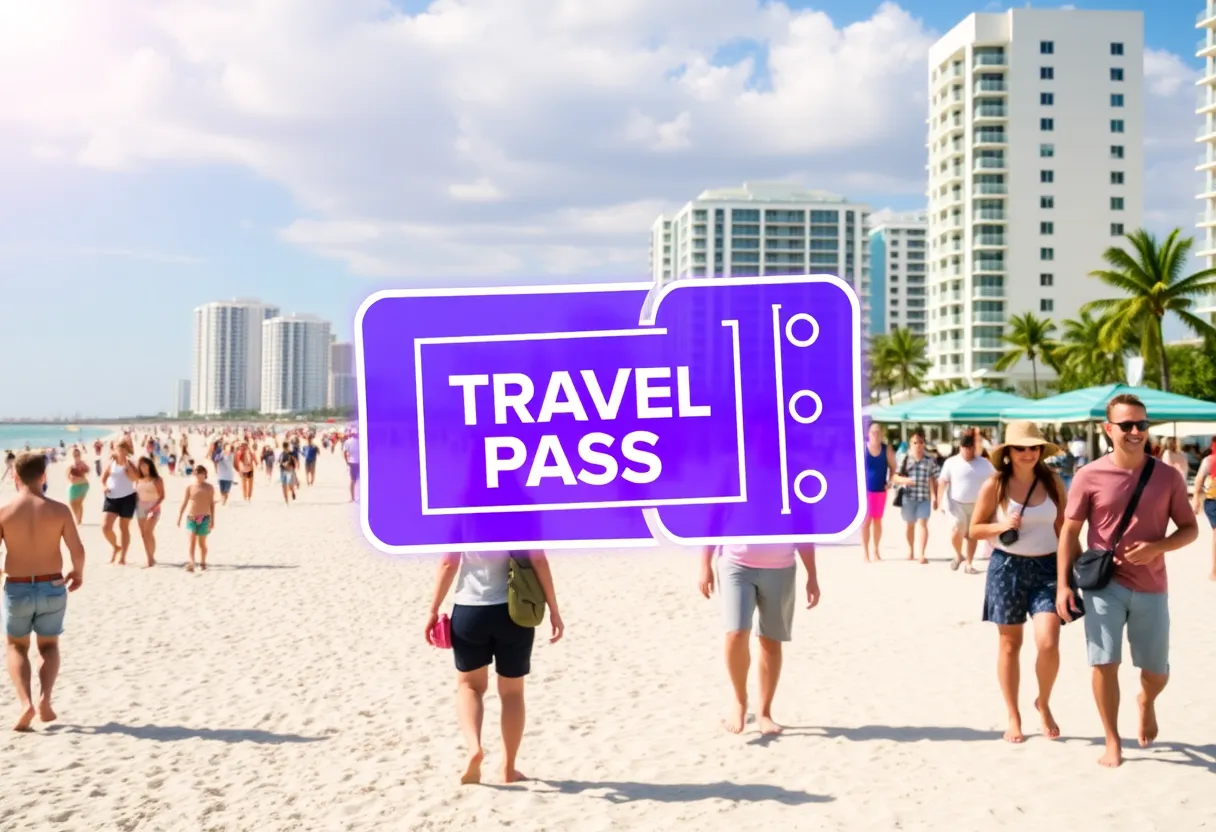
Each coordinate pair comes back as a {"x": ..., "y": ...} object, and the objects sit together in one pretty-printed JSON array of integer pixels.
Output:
[
  {"x": 480, "y": 634},
  {"x": 124, "y": 507}
]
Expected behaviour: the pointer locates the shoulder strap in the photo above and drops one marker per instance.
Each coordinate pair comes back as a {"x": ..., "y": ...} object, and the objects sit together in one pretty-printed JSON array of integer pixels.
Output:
[
  {"x": 1145, "y": 473},
  {"x": 1034, "y": 484},
  {"x": 903, "y": 466}
]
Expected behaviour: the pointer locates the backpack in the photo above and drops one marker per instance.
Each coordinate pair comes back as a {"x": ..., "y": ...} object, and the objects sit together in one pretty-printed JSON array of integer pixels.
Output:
[{"x": 525, "y": 595}]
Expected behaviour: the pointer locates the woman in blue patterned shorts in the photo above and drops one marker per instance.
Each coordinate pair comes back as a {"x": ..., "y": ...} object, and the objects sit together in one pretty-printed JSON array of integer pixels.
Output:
[{"x": 1020, "y": 510}]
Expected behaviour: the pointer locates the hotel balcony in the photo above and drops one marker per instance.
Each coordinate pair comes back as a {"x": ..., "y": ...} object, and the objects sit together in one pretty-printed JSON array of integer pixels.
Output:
[
  {"x": 990, "y": 189},
  {"x": 989, "y": 241},
  {"x": 990, "y": 163},
  {"x": 991, "y": 139},
  {"x": 991, "y": 114},
  {"x": 1205, "y": 48},
  {"x": 1207, "y": 17},
  {"x": 990, "y": 86}
]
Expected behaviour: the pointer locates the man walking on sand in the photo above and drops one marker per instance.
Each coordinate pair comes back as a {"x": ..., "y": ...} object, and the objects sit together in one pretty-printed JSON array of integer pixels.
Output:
[
  {"x": 960, "y": 480},
  {"x": 350, "y": 452},
  {"x": 1136, "y": 597},
  {"x": 35, "y": 589},
  {"x": 750, "y": 578}
]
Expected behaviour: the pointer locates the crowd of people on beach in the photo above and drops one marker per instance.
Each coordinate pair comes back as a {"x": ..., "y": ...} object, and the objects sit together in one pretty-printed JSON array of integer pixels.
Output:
[{"x": 34, "y": 527}]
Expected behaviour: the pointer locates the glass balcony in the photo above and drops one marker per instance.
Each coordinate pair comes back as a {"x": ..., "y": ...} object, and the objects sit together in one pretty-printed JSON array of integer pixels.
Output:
[
  {"x": 990, "y": 162},
  {"x": 1204, "y": 44},
  {"x": 989, "y": 291},
  {"x": 1205, "y": 129},
  {"x": 990, "y": 59},
  {"x": 990, "y": 85},
  {"x": 991, "y": 138},
  {"x": 991, "y": 112},
  {"x": 982, "y": 265},
  {"x": 990, "y": 239},
  {"x": 989, "y": 317},
  {"x": 989, "y": 188},
  {"x": 1207, "y": 14}
]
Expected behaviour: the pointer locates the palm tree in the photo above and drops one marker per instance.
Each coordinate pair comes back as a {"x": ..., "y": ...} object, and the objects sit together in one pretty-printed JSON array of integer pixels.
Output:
[
  {"x": 905, "y": 355},
  {"x": 1085, "y": 357},
  {"x": 878, "y": 370},
  {"x": 1151, "y": 275},
  {"x": 940, "y": 388},
  {"x": 1029, "y": 338}
]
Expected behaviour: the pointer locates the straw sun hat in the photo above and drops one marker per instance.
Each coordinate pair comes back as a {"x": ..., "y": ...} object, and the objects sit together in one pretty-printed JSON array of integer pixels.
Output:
[{"x": 1024, "y": 435}]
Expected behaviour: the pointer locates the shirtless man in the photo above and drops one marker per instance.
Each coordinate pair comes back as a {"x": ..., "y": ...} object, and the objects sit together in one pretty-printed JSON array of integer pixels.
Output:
[
  {"x": 200, "y": 499},
  {"x": 36, "y": 591}
]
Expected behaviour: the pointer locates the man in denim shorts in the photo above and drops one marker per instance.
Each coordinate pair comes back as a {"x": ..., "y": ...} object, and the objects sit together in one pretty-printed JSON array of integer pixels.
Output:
[
  {"x": 917, "y": 473},
  {"x": 36, "y": 590},
  {"x": 1136, "y": 599}
]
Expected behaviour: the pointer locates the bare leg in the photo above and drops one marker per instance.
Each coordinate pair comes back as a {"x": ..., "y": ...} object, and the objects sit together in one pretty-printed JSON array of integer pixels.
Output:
[
  {"x": 286, "y": 498},
  {"x": 1106, "y": 694},
  {"x": 911, "y": 535},
  {"x": 1008, "y": 672},
  {"x": 193, "y": 544},
  {"x": 971, "y": 546},
  {"x": 770, "y": 674},
  {"x": 107, "y": 531},
  {"x": 19, "y": 672},
  {"x": 1046, "y": 668},
  {"x": 1151, "y": 685},
  {"x": 150, "y": 539},
  {"x": 922, "y": 535},
  {"x": 48, "y": 671},
  {"x": 511, "y": 695},
  {"x": 877, "y": 523},
  {"x": 78, "y": 511},
  {"x": 202, "y": 553},
  {"x": 956, "y": 540},
  {"x": 738, "y": 661},
  {"x": 1213, "y": 575},
  {"x": 124, "y": 536},
  {"x": 865, "y": 537},
  {"x": 470, "y": 710}
]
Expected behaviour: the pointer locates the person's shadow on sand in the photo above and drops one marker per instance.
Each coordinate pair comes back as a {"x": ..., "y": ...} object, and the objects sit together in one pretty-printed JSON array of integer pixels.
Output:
[
  {"x": 890, "y": 733},
  {"x": 629, "y": 792},
  {"x": 174, "y": 733}
]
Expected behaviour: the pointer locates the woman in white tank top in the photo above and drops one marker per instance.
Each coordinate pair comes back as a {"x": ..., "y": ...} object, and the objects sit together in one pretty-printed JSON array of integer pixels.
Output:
[
  {"x": 118, "y": 479},
  {"x": 1020, "y": 511}
]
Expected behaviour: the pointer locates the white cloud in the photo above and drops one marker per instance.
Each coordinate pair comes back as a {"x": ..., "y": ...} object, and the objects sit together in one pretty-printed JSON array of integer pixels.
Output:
[{"x": 501, "y": 137}]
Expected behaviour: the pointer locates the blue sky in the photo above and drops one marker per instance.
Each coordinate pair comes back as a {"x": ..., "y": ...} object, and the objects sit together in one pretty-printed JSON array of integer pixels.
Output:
[{"x": 173, "y": 164}]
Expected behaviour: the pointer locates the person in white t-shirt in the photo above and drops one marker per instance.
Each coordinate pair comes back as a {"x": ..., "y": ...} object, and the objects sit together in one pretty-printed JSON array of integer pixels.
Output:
[
  {"x": 960, "y": 480},
  {"x": 350, "y": 452}
]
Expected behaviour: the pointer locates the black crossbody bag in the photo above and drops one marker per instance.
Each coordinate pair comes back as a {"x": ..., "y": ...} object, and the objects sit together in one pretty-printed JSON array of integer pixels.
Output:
[
  {"x": 899, "y": 492},
  {"x": 1095, "y": 567}
]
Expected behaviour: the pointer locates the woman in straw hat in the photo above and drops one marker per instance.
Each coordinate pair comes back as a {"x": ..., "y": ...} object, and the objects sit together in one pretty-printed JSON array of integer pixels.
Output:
[{"x": 1020, "y": 511}]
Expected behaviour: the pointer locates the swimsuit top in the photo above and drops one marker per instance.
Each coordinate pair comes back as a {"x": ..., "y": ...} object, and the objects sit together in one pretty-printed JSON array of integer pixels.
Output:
[{"x": 147, "y": 491}]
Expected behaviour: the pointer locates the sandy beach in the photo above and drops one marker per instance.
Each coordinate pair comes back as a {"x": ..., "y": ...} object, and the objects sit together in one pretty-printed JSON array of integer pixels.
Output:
[{"x": 290, "y": 687}]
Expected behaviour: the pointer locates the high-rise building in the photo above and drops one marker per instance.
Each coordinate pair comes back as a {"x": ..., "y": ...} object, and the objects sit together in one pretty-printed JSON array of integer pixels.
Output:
[
  {"x": 295, "y": 364},
  {"x": 181, "y": 398},
  {"x": 1205, "y": 240},
  {"x": 766, "y": 228},
  {"x": 342, "y": 386},
  {"x": 660, "y": 250},
  {"x": 1036, "y": 167},
  {"x": 228, "y": 356},
  {"x": 898, "y": 278}
]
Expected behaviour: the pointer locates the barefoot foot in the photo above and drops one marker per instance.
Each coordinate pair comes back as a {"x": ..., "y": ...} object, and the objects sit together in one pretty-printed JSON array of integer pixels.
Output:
[
  {"x": 1113, "y": 757},
  {"x": 472, "y": 771},
  {"x": 1148, "y": 721},
  {"x": 23, "y": 721},
  {"x": 46, "y": 713},
  {"x": 1050, "y": 729},
  {"x": 1014, "y": 733},
  {"x": 767, "y": 726},
  {"x": 737, "y": 717},
  {"x": 513, "y": 776}
]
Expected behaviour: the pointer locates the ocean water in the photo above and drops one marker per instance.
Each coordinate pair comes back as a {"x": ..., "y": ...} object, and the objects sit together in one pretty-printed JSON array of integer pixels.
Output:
[{"x": 15, "y": 436}]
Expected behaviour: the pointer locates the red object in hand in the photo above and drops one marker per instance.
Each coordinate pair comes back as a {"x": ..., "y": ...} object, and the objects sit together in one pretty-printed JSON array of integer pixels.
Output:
[{"x": 441, "y": 632}]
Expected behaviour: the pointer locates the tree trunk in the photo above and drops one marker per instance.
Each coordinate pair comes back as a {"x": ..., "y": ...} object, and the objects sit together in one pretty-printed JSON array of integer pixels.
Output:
[
  {"x": 1165, "y": 363},
  {"x": 1034, "y": 376}
]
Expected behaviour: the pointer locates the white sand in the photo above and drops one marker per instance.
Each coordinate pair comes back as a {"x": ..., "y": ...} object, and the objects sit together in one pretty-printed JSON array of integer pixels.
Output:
[{"x": 290, "y": 688}]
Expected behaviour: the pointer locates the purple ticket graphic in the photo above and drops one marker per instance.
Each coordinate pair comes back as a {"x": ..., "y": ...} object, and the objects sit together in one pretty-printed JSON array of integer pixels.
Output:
[{"x": 704, "y": 412}]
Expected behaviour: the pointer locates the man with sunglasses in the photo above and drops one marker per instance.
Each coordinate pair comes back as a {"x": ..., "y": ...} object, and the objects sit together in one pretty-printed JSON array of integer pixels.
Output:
[{"x": 1136, "y": 598}]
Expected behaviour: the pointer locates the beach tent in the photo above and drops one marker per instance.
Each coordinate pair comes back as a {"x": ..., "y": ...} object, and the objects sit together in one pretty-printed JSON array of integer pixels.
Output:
[
  {"x": 1089, "y": 405},
  {"x": 970, "y": 406},
  {"x": 1184, "y": 429}
]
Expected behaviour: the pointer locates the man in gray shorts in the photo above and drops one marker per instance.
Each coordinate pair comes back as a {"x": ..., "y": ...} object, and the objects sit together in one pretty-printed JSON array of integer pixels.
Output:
[
  {"x": 1136, "y": 597},
  {"x": 751, "y": 578}
]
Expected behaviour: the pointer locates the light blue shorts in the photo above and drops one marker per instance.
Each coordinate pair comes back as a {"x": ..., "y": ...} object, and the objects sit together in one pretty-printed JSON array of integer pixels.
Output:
[
  {"x": 913, "y": 510},
  {"x": 34, "y": 608},
  {"x": 748, "y": 589},
  {"x": 1146, "y": 615}
]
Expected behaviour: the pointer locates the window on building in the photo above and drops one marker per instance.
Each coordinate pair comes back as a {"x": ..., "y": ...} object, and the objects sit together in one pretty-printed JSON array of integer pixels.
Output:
[
  {"x": 1047, "y": 254},
  {"x": 1046, "y": 305},
  {"x": 1047, "y": 124},
  {"x": 1047, "y": 98},
  {"x": 1046, "y": 151},
  {"x": 1116, "y": 151},
  {"x": 1116, "y": 99},
  {"x": 1116, "y": 73},
  {"x": 1046, "y": 47},
  {"x": 1047, "y": 279},
  {"x": 1047, "y": 176},
  {"x": 1046, "y": 73},
  {"x": 1047, "y": 228},
  {"x": 1116, "y": 203},
  {"x": 1116, "y": 49},
  {"x": 1116, "y": 177},
  {"x": 1116, "y": 229},
  {"x": 1047, "y": 202},
  {"x": 1116, "y": 125}
]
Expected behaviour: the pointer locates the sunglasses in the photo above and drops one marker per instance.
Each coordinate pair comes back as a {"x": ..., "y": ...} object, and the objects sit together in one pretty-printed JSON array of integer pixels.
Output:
[
  {"x": 1126, "y": 427},
  {"x": 1024, "y": 448}
]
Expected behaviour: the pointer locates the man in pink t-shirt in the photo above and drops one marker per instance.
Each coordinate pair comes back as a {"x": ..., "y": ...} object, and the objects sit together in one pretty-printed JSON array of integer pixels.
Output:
[
  {"x": 757, "y": 577},
  {"x": 1136, "y": 598}
]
